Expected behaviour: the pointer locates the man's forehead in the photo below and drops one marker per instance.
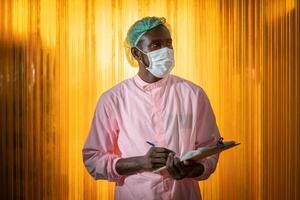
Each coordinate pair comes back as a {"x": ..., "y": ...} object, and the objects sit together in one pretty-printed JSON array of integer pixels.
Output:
[{"x": 156, "y": 34}]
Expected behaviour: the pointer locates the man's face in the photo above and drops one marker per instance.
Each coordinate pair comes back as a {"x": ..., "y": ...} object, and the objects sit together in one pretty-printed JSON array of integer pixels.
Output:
[{"x": 153, "y": 39}]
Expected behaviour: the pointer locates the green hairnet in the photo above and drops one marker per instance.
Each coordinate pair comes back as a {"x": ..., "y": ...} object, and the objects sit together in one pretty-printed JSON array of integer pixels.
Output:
[
  {"x": 140, "y": 27},
  {"x": 137, "y": 30}
]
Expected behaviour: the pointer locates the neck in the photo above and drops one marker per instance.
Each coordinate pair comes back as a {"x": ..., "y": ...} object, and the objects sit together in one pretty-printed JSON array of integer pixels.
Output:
[{"x": 148, "y": 77}]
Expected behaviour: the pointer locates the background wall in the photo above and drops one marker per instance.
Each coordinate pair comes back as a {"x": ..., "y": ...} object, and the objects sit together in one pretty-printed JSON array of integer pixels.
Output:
[{"x": 57, "y": 57}]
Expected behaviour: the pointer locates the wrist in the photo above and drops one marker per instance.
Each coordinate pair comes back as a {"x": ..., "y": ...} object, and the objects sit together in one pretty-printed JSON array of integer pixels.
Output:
[{"x": 142, "y": 163}]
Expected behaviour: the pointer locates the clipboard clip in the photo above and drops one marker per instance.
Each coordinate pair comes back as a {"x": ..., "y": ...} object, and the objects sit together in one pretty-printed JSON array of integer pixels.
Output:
[{"x": 220, "y": 142}]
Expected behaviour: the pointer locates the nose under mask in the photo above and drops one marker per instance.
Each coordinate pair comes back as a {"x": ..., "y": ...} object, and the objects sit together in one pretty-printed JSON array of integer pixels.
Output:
[{"x": 161, "y": 61}]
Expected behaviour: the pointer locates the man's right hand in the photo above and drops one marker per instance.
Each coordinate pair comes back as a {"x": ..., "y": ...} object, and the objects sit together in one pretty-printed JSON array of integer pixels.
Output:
[{"x": 155, "y": 158}]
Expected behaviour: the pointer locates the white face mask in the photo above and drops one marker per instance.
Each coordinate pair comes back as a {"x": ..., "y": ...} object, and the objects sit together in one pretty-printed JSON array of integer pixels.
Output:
[{"x": 161, "y": 61}]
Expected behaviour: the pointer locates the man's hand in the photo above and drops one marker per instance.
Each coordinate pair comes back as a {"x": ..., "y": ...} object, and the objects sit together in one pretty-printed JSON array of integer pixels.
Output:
[
  {"x": 158, "y": 157},
  {"x": 155, "y": 158},
  {"x": 179, "y": 170}
]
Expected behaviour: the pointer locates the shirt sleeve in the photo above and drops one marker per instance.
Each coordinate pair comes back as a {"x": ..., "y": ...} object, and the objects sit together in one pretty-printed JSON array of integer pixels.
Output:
[
  {"x": 99, "y": 151},
  {"x": 207, "y": 135}
]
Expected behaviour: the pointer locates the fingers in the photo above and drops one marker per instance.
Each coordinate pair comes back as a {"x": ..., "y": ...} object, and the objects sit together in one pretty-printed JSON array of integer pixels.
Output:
[
  {"x": 189, "y": 162},
  {"x": 160, "y": 160},
  {"x": 173, "y": 167},
  {"x": 169, "y": 165},
  {"x": 157, "y": 157},
  {"x": 159, "y": 152},
  {"x": 157, "y": 165},
  {"x": 179, "y": 166},
  {"x": 160, "y": 155},
  {"x": 162, "y": 150}
]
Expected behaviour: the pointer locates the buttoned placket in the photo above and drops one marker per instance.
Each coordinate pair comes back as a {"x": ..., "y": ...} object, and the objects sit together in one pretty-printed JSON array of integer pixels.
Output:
[
  {"x": 157, "y": 116},
  {"x": 155, "y": 91}
]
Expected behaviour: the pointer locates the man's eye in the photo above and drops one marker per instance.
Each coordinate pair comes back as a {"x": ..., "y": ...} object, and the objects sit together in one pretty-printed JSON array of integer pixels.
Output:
[{"x": 154, "y": 45}]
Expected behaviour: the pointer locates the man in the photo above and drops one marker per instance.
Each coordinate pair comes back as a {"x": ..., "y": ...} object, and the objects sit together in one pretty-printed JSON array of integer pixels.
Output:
[{"x": 149, "y": 121}]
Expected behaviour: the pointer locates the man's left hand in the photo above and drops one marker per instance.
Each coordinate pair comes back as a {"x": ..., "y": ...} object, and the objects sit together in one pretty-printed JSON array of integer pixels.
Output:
[{"x": 179, "y": 170}]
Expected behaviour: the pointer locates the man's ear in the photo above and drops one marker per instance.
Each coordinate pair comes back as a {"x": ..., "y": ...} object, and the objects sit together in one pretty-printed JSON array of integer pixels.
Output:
[{"x": 136, "y": 53}]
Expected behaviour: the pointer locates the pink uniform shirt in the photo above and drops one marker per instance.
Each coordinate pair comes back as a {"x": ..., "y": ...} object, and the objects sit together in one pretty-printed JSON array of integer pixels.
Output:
[{"x": 173, "y": 113}]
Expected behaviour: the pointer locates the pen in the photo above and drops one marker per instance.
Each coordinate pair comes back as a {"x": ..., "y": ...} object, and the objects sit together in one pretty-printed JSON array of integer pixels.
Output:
[{"x": 150, "y": 143}]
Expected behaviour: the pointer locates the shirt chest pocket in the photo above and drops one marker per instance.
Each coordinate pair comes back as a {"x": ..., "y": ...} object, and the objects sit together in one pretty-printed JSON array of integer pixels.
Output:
[
  {"x": 180, "y": 121},
  {"x": 185, "y": 121},
  {"x": 180, "y": 131}
]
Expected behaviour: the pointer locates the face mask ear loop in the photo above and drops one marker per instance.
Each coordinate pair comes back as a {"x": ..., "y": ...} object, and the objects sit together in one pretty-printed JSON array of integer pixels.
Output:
[{"x": 144, "y": 54}]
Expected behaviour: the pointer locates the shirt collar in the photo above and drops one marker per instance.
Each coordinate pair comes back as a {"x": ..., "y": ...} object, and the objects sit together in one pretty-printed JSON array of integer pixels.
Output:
[{"x": 149, "y": 86}]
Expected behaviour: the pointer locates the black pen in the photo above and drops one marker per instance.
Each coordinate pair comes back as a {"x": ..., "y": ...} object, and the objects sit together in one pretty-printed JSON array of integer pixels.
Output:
[{"x": 150, "y": 143}]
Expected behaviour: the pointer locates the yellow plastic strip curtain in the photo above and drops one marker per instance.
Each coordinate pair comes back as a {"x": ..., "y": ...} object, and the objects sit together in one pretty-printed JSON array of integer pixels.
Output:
[{"x": 58, "y": 57}]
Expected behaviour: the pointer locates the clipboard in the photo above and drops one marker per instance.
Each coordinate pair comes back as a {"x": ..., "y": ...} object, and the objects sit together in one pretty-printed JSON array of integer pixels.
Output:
[{"x": 204, "y": 152}]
